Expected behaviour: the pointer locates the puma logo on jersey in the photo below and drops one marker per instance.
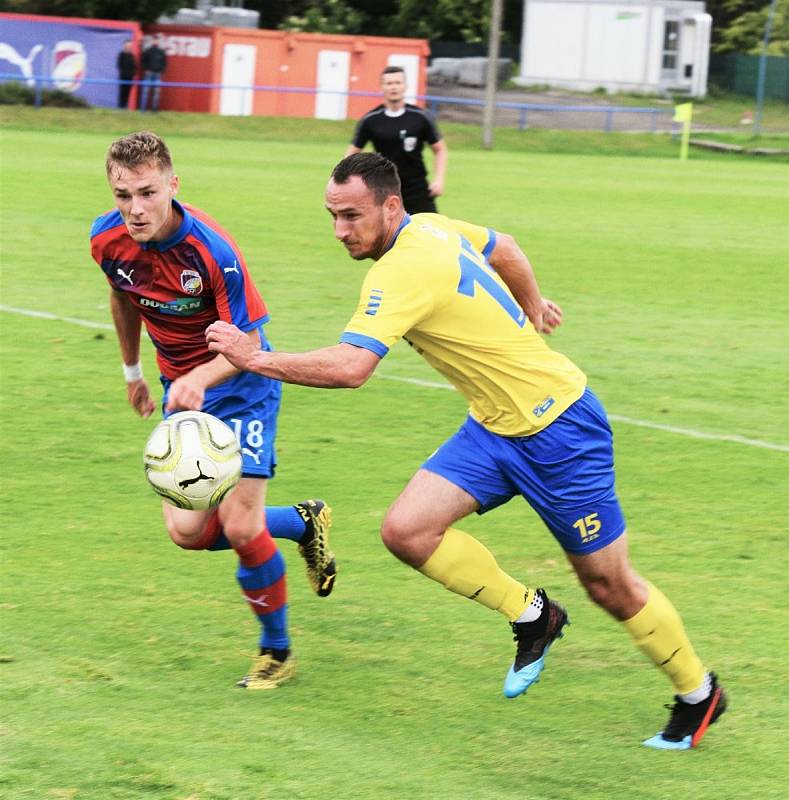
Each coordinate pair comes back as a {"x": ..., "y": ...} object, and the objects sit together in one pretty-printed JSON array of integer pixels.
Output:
[
  {"x": 234, "y": 268},
  {"x": 125, "y": 276}
]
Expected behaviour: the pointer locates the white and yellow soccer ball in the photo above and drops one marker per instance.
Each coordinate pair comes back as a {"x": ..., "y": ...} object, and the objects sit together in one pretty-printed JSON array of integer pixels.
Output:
[{"x": 192, "y": 460}]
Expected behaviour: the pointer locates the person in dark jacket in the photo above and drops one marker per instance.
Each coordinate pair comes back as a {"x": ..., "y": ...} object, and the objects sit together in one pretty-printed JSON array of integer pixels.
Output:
[
  {"x": 154, "y": 63},
  {"x": 127, "y": 71}
]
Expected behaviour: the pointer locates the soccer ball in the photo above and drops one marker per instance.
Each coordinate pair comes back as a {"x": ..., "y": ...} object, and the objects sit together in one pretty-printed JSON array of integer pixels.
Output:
[{"x": 192, "y": 460}]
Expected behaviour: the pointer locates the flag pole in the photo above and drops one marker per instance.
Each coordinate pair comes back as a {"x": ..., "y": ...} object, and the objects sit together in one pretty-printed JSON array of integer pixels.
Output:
[{"x": 684, "y": 113}]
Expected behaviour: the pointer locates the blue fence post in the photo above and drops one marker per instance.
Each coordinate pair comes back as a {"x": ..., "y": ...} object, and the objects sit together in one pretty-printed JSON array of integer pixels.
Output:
[
  {"x": 609, "y": 120},
  {"x": 522, "y": 119},
  {"x": 38, "y": 101}
]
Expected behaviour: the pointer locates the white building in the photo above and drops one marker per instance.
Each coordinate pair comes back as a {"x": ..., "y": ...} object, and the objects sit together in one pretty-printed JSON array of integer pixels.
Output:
[{"x": 624, "y": 45}]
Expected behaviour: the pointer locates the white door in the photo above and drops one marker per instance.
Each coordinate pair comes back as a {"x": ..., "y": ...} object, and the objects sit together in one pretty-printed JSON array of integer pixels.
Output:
[
  {"x": 331, "y": 101},
  {"x": 670, "y": 63},
  {"x": 410, "y": 64},
  {"x": 238, "y": 76}
]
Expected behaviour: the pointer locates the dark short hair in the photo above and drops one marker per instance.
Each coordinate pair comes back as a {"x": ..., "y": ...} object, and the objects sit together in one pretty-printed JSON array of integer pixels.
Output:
[
  {"x": 137, "y": 149},
  {"x": 392, "y": 69},
  {"x": 378, "y": 173}
]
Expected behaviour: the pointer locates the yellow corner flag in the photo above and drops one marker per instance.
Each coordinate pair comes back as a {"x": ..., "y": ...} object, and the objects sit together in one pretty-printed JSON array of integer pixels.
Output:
[{"x": 684, "y": 113}]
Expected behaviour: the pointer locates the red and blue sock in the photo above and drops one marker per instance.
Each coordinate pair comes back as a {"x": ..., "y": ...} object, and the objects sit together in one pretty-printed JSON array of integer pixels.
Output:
[
  {"x": 261, "y": 575},
  {"x": 283, "y": 522}
]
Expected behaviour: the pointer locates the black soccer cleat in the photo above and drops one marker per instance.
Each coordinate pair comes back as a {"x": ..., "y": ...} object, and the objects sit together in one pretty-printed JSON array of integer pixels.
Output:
[
  {"x": 689, "y": 721},
  {"x": 314, "y": 546},
  {"x": 533, "y": 640}
]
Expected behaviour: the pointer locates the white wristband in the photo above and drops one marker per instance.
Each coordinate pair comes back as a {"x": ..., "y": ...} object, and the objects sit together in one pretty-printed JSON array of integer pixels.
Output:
[{"x": 132, "y": 372}]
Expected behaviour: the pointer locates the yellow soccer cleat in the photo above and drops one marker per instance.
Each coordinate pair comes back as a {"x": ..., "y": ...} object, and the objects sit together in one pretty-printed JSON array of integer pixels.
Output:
[
  {"x": 314, "y": 546},
  {"x": 268, "y": 672}
]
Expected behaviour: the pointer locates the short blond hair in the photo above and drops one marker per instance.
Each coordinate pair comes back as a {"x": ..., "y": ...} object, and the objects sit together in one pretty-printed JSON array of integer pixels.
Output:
[{"x": 136, "y": 149}]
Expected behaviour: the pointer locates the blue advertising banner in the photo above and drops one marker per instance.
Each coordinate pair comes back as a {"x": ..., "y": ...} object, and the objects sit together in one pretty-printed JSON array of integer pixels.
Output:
[{"x": 65, "y": 53}]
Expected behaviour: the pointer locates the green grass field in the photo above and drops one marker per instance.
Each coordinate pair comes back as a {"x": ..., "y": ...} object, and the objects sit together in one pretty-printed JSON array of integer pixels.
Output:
[{"x": 119, "y": 652}]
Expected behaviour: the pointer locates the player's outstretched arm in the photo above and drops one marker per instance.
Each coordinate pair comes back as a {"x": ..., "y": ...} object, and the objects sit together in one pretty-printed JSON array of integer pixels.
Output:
[
  {"x": 515, "y": 270},
  {"x": 551, "y": 316},
  {"x": 342, "y": 366},
  {"x": 139, "y": 396},
  {"x": 188, "y": 391},
  {"x": 128, "y": 326}
]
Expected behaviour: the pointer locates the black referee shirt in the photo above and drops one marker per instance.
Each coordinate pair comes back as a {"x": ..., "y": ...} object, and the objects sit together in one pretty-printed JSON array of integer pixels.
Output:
[{"x": 400, "y": 138}]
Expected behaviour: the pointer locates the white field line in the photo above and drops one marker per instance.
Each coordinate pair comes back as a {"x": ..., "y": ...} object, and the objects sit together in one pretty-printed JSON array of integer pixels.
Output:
[
  {"x": 26, "y": 312},
  {"x": 640, "y": 423}
]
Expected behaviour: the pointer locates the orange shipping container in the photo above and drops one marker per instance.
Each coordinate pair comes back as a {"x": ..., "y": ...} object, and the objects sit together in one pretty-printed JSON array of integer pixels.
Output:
[{"x": 297, "y": 74}]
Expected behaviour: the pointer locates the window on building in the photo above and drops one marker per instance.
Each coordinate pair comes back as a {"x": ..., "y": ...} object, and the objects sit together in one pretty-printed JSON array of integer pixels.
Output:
[{"x": 670, "y": 44}]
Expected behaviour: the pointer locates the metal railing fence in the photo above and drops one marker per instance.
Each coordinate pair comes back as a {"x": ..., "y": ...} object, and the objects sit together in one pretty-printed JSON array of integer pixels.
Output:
[{"x": 521, "y": 115}]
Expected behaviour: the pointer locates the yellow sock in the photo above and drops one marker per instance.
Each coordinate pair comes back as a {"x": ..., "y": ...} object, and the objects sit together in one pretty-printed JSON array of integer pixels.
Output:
[
  {"x": 658, "y": 631},
  {"x": 464, "y": 566}
]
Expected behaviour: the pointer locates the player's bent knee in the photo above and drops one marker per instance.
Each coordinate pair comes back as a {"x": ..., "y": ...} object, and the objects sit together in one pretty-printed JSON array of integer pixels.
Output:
[
  {"x": 196, "y": 537},
  {"x": 240, "y": 532},
  {"x": 392, "y": 538},
  {"x": 398, "y": 536},
  {"x": 186, "y": 542},
  {"x": 411, "y": 545}
]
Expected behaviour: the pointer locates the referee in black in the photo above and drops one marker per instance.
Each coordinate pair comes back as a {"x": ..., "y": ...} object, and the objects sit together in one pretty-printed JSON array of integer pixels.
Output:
[{"x": 399, "y": 130}]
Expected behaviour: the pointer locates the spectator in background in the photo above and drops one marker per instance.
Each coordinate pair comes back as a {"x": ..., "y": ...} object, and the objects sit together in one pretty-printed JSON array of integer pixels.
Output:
[
  {"x": 399, "y": 130},
  {"x": 154, "y": 63},
  {"x": 127, "y": 71}
]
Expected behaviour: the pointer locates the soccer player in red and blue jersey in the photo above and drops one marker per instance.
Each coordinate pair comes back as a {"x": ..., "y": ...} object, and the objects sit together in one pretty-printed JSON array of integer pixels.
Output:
[{"x": 175, "y": 270}]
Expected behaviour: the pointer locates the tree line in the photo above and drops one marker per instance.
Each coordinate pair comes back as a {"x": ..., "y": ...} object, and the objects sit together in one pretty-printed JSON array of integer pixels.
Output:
[{"x": 738, "y": 25}]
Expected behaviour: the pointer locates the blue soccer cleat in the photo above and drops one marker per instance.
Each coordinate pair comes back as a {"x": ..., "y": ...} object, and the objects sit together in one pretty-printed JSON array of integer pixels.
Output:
[
  {"x": 689, "y": 722},
  {"x": 533, "y": 641},
  {"x": 659, "y": 743}
]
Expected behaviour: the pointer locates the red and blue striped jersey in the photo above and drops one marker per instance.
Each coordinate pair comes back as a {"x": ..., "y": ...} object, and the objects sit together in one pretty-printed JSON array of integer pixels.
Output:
[{"x": 180, "y": 285}]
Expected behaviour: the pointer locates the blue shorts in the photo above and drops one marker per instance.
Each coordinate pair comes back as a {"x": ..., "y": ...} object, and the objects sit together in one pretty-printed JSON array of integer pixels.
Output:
[
  {"x": 565, "y": 472},
  {"x": 249, "y": 404}
]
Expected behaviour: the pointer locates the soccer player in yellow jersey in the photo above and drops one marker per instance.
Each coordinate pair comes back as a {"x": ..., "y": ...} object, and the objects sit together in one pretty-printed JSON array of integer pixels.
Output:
[{"x": 465, "y": 297}]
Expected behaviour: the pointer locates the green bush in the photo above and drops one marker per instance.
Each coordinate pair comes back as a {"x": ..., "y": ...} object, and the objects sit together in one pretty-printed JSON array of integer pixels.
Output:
[{"x": 16, "y": 94}]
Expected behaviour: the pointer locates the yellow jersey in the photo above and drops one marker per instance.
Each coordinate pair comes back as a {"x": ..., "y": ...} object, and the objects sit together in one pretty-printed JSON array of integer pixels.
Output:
[{"x": 434, "y": 288}]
